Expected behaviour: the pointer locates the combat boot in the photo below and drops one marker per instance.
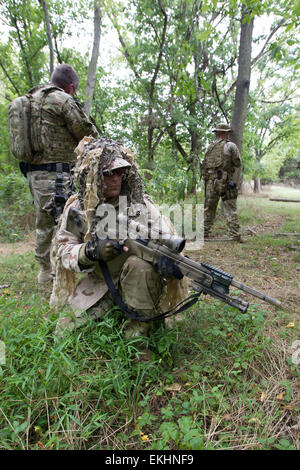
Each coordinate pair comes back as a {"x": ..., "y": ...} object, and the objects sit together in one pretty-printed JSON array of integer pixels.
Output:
[
  {"x": 44, "y": 275},
  {"x": 207, "y": 235},
  {"x": 238, "y": 239}
]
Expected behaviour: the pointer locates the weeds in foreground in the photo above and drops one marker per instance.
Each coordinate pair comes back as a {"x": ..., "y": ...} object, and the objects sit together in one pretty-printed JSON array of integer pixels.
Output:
[
  {"x": 217, "y": 380},
  {"x": 214, "y": 381}
]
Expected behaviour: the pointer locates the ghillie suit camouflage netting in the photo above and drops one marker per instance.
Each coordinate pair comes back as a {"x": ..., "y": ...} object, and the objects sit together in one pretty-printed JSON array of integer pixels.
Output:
[{"x": 94, "y": 156}]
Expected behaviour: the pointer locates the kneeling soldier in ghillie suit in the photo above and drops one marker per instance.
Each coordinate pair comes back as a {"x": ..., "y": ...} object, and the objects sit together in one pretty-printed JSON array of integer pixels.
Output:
[
  {"x": 104, "y": 171},
  {"x": 221, "y": 170},
  {"x": 57, "y": 125}
]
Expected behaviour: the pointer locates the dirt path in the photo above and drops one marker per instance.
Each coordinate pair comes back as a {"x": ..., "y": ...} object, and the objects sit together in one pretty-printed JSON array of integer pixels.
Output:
[{"x": 16, "y": 248}]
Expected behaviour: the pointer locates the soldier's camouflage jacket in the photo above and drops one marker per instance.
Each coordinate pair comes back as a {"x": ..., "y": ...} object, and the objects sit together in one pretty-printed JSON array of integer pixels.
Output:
[{"x": 92, "y": 287}]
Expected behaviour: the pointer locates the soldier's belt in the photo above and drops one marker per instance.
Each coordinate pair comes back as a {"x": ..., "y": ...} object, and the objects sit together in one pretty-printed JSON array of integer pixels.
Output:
[
  {"x": 217, "y": 174},
  {"x": 212, "y": 174},
  {"x": 62, "y": 167}
]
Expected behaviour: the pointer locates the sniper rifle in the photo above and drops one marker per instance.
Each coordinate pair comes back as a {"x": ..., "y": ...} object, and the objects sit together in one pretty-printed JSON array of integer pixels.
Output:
[{"x": 206, "y": 279}]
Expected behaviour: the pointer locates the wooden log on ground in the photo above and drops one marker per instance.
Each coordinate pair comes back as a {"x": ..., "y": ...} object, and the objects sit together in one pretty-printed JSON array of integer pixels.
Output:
[
  {"x": 218, "y": 239},
  {"x": 287, "y": 234},
  {"x": 283, "y": 200},
  {"x": 222, "y": 239}
]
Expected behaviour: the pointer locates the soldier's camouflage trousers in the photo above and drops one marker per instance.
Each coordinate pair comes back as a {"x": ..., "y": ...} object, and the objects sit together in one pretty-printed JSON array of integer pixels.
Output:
[
  {"x": 42, "y": 188},
  {"x": 141, "y": 288},
  {"x": 213, "y": 192}
]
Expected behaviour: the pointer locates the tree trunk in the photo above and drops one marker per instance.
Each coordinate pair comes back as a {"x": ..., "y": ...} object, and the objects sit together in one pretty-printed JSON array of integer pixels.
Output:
[
  {"x": 90, "y": 84},
  {"x": 153, "y": 85},
  {"x": 243, "y": 79},
  {"x": 194, "y": 160},
  {"x": 49, "y": 35},
  {"x": 257, "y": 185}
]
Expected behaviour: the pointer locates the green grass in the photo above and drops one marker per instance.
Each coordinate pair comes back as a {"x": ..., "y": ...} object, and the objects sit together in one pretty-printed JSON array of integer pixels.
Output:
[
  {"x": 202, "y": 389},
  {"x": 258, "y": 211},
  {"x": 284, "y": 192},
  {"x": 218, "y": 379},
  {"x": 263, "y": 209}
]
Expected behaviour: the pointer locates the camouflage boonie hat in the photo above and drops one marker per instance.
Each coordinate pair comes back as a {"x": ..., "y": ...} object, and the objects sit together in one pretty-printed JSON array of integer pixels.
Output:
[
  {"x": 117, "y": 163},
  {"x": 222, "y": 127}
]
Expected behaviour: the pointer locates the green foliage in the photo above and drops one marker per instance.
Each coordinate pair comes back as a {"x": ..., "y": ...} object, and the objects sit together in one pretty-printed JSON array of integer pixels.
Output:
[
  {"x": 166, "y": 186},
  {"x": 4, "y": 136},
  {"x": 26, "y": 66},
  {"x": 289, "y": 170},
  {"x": 180, "y": 73},
  {"x": 16, "y": 210}
]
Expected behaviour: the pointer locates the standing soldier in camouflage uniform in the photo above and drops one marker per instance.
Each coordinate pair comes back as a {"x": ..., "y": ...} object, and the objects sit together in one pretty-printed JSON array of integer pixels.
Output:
[
  {"x": 57, "y": 125},
  {"x": 104, "y": 171},
  {"x": 221, "y": 170}
]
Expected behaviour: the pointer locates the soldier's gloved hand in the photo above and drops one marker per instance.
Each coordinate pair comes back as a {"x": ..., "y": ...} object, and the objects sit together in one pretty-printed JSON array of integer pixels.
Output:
[
  {"x": 167, "y": 268},
  {"x": 104, "y": 250}
]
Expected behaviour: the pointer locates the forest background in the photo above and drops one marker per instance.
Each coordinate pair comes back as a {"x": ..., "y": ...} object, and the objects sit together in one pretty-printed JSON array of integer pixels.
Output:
[{"x": 159, "y": 75}]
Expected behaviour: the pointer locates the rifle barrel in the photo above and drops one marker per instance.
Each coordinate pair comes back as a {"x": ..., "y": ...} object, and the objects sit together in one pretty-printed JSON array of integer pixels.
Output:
[
  {"x": 256, "y": 293},
  {"x": 195, "y": 271}
]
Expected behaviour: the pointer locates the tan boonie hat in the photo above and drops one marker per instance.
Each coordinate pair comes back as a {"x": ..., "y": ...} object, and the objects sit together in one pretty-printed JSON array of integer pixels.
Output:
[
  {"x": 117, "y": 163},
  {"x": 222, "y": 127}
]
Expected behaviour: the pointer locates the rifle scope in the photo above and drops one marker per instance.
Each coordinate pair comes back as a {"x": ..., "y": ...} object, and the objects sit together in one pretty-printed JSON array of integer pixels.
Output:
[{"x": 174, "y": 243}]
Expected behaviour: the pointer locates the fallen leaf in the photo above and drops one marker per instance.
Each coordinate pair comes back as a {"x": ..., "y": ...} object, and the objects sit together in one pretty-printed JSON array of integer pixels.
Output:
[
  {"x": 41, "y": 445},
  {"x": 144, "y": 437},
  {"x": 288, "y": 407},
  {"x": 227, "y": 417},
  {"x": 263, "y": 397},
  {"x": 291, "y": 325},
  {"x": 175, "y": 387},
  {"x": 254, "y": 420},
  {"x": 280, "y": 396}
]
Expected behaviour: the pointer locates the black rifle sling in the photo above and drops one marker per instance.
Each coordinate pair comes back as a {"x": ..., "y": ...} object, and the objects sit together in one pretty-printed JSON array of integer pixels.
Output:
[
  {"x": 129, "y": 312},
  {"x": 61, "y": 196}
]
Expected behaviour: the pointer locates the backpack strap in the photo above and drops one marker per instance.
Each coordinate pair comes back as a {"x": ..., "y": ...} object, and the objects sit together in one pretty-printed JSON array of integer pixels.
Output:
[
  {"x": 29, "y": 97},
  {"x": 46, "y": 92}
]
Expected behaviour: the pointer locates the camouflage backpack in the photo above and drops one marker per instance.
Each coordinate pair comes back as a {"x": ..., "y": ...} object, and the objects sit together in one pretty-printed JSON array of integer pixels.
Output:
[
  {"x": 23, "y": 112},
  {"x": 19, "y": 128}
]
